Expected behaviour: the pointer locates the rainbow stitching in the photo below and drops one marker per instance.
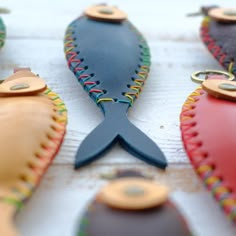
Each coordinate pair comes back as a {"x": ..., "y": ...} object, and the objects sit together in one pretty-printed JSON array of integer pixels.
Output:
[
  {"x": 214, "y": 48},
  {"x": 206, "y": 172},
  {"x": 90, "y": 86},
  {"x": 30, "y": 181}
]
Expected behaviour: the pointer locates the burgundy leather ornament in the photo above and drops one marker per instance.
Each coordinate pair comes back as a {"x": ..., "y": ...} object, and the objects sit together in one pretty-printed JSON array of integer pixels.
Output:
[{"x": 218, "y": 32}]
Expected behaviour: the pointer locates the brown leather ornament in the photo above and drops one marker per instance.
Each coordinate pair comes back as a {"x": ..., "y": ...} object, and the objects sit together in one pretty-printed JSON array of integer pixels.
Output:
[
  {"x": 131, "y": 204},
  {"x": 33, "y": 121}
]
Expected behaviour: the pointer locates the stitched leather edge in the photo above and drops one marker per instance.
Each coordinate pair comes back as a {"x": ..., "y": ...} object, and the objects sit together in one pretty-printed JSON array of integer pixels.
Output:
[
  {"x": 2, "y": 33},
  {"x": 213, "y": 183},
  {"x": 215, "y": 49},
  {"x": 89, "y": 86}
]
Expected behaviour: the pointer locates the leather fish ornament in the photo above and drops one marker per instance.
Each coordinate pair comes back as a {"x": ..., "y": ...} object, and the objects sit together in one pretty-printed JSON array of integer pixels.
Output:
[
  {"x": 218, "y": 32},
  {"x": 209, "y": 134},
  {"x": 111, "y": 60},
  {"x": 33, "y": 121},
  {"x": 132, "y": 205}
]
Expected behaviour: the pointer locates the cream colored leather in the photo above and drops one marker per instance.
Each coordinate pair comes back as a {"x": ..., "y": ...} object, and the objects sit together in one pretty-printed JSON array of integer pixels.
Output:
[{"x": 105, "y": 13}]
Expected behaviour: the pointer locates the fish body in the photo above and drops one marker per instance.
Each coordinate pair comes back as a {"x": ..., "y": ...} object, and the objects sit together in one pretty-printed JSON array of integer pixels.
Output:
[
  {"x": 33, "y": 121},
  {"x": 208, "y": 133},
  {"x": 111, "y": 61},
  {"x": 219, "y": 35}
]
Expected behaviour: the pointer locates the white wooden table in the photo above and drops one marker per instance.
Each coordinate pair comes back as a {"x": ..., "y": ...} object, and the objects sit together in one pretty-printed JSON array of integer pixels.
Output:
[{"x": 35, "y": 39}]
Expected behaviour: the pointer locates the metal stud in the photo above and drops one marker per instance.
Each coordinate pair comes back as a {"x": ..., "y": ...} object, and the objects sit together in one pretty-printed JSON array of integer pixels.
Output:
[
  {"x": 134, "y": 191},
  {"x": 228, "y": 87},
  {"x": 19, "y": 86},
  {"x": 230, "y": 13},
  {"x": 106, "y": 11}
]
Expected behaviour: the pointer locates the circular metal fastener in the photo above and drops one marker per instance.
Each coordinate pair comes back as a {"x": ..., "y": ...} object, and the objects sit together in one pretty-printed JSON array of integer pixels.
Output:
[
  {"x": 225, "y": 90},
  {"x": 19, "y": 86},
  {"x": 105, "y": 13},
  {"x": 133, "y": 194},
  {"x": 223, "y": 14},
  {"x": 195, "y": 76},
  {"x": 227, "y": 86}
]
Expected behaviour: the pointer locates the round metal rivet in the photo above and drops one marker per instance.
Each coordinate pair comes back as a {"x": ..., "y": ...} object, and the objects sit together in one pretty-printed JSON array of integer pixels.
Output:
[
  {"x": 19, "y": 86},
  {"x": 230, "y": 13},
  {"x": 228, "y": 87},
  {"x": 134, "y": 191},
  {"x": 106, "y": 11}
]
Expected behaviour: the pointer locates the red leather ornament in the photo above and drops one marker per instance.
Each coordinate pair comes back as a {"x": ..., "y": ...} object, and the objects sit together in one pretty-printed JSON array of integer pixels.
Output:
[{"x": 209, "y": 136}]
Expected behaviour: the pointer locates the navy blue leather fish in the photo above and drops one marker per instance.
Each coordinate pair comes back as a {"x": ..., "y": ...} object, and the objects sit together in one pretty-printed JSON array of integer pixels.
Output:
[{"x": 111, "y": 60}]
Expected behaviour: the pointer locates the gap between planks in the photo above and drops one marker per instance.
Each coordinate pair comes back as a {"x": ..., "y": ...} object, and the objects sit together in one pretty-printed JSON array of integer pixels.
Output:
[{"x": 178, "y": 177}]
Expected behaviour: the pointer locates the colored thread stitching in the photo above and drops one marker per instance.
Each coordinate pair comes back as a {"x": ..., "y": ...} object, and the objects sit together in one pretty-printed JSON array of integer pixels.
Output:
[
  {"x": 79, "y": 71},
  {"x": 12, "y": 201},
  {"x": 214, "y": 48},
  {"x": 206, "y": 172},
  {"x": 90, "y": 86},
  {"x": 142, "y": 71},
  {"x": 83, "y": 225},
  {"x": 28, "y": 182},
  {"x": 2, "y": 33}
]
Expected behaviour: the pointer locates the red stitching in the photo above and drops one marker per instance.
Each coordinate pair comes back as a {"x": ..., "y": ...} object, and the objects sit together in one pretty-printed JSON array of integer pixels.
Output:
[{"x": 212, "y": 45}]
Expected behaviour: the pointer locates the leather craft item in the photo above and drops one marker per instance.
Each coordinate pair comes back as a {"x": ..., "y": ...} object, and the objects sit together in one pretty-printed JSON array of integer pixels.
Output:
[
  {"x": 218, "y": 32},
  {"x": 2, "y": 33},
  {"x": 132, "y": 205},
  {"x": 208, "y": 132},
  {"x": 111, "y": 60},
  {"x": 33, "y": 120}
]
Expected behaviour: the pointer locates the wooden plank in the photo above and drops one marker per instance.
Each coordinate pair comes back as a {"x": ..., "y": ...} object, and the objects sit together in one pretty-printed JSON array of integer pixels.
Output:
[
  {"x": 55, "y": 207},
  {"x": 35, "y": 32}
]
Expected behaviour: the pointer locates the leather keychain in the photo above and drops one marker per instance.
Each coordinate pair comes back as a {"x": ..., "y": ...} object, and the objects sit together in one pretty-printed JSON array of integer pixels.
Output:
[
  {"x": 111, "y": 60},
  {"x": 218, "y": 32},
  {"x": 208, "y": 133},
  {"x": 33, "y": 121},
  {"x": 132, "y": 204},
  {"x": 2, "y": 33}
]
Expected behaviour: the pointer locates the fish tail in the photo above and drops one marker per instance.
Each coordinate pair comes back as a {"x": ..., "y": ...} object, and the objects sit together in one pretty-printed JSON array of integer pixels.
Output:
[{"x": 117, "y": 128}]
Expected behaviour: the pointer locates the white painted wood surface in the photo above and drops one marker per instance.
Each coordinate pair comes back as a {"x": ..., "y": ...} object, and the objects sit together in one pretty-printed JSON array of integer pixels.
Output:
[{"x": 35, "y": 39}]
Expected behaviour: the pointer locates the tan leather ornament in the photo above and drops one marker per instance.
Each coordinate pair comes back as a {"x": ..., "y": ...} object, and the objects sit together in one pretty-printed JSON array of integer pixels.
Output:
[
  {"x": 133, "y": 194},
  {"x": 33, "y": 121}
]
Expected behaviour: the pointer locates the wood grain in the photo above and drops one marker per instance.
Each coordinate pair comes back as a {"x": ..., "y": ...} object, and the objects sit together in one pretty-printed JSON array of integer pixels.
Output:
[{"x": 35, "y": 31}]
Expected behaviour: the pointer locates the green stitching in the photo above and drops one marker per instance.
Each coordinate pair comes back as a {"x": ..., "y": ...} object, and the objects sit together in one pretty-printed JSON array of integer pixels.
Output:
[
  {"x": 2, "y": 33},
  {"x": 18, "y": 204},
  {"x": 138, "y": 81},
  {"x": 142, "y": 71}
]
